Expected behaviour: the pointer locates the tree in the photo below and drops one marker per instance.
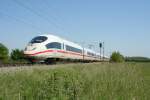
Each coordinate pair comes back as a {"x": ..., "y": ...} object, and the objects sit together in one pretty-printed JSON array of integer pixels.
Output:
[
  {"x": 17, "y": 55},
  {"x": 117, "y": 57},
  {"x": 4, "y": 53}
]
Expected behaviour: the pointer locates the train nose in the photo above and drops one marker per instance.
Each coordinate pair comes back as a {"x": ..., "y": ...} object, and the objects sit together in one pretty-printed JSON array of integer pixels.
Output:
[{"x": 30, "y": 47}]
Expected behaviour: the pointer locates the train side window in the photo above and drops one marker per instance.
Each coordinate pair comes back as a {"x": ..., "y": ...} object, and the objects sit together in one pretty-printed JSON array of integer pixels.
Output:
[
  {"x": 90, "y": 54},
  {"x": 55, "y": 45},
  {"x": 63, "y": 46},
  {"x": 73, "y": 49}
]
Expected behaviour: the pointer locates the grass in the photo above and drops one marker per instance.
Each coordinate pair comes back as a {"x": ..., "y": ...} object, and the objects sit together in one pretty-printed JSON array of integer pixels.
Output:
[{"x": 94, "y": 81}]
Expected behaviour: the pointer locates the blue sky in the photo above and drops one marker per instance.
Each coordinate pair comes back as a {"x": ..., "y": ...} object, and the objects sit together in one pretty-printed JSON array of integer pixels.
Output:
[{"x": 124, "y": 25}]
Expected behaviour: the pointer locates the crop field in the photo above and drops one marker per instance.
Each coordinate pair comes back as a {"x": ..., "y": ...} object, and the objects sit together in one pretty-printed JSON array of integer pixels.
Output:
[{"x": 92, "y": 81}]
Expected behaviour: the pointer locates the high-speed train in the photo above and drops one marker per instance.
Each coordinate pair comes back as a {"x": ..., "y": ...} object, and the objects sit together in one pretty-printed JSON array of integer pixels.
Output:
[{"x": 48, "y": 47}]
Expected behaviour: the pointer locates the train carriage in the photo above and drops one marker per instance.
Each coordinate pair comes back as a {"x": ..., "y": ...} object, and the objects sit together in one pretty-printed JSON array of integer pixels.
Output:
[{"x": 44, "y": 47}]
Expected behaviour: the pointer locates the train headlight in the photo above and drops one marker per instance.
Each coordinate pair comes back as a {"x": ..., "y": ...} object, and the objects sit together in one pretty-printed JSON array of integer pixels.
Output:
[{"x": 25, "y": 49}]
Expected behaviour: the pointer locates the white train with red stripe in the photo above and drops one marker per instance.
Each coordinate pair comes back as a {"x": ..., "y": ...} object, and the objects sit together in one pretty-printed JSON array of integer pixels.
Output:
[{"x": 47, "y": 47}]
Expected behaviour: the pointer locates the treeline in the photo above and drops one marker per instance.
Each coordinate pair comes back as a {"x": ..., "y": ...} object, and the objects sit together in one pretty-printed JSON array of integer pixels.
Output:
[
  {"x": 118, "y": 57},
  {"x": 16, "y": 55},
  {"x": 137, "y": 59}
]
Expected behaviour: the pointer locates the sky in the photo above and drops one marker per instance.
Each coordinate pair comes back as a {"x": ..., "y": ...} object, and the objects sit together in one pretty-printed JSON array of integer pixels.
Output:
[{"x": 123, "y": 25}]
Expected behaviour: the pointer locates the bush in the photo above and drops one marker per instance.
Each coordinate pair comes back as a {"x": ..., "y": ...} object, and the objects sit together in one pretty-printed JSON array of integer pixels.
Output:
[
  {"x": 3, "y": 53},
  {"x": 117, "y": 57},
  {"x": 17, "y": 55}
]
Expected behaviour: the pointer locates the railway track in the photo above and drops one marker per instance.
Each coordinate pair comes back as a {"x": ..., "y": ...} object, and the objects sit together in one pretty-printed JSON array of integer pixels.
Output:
[
  {"x": 30, "y": 64},
  {"x": 15, "y": 65},
  {"x": 52, "y": 63}
]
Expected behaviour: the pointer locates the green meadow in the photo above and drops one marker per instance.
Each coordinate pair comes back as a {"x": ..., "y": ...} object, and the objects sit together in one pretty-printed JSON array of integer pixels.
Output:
[{"x": 91, "y": 81}]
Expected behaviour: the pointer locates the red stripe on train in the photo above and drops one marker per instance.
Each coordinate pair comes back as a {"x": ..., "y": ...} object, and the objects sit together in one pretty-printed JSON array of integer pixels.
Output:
[
  {"x": 61, "y": 51},
  {"x": 40, "y": 52}
]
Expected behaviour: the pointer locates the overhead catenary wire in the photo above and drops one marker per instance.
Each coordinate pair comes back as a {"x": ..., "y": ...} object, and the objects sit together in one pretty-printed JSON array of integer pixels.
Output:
[
  {"x": 38, "y": 14},
  {"x": 55, "y": 16},
  {"x": 20, "y": 21}
]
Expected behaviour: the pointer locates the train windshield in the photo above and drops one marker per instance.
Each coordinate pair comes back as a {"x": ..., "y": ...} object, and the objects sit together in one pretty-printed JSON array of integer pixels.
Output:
[{"x": 38, "y": 39}]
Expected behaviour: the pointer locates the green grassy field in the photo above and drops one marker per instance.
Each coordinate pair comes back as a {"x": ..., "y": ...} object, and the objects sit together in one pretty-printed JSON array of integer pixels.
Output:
[{"x": 93, "y": 81}]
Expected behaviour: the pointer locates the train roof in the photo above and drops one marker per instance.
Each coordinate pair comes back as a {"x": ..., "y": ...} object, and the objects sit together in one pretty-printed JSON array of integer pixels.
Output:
[
  {"x": 62, "y": 40},
  {"x": 89, "y": 50}
]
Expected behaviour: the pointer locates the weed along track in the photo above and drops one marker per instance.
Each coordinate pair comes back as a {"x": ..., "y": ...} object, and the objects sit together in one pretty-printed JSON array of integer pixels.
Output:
[
  {"x": 25, "y": 64},
  {"x": 43, "y": 64},
  {"x": 14, "y": 65}
]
